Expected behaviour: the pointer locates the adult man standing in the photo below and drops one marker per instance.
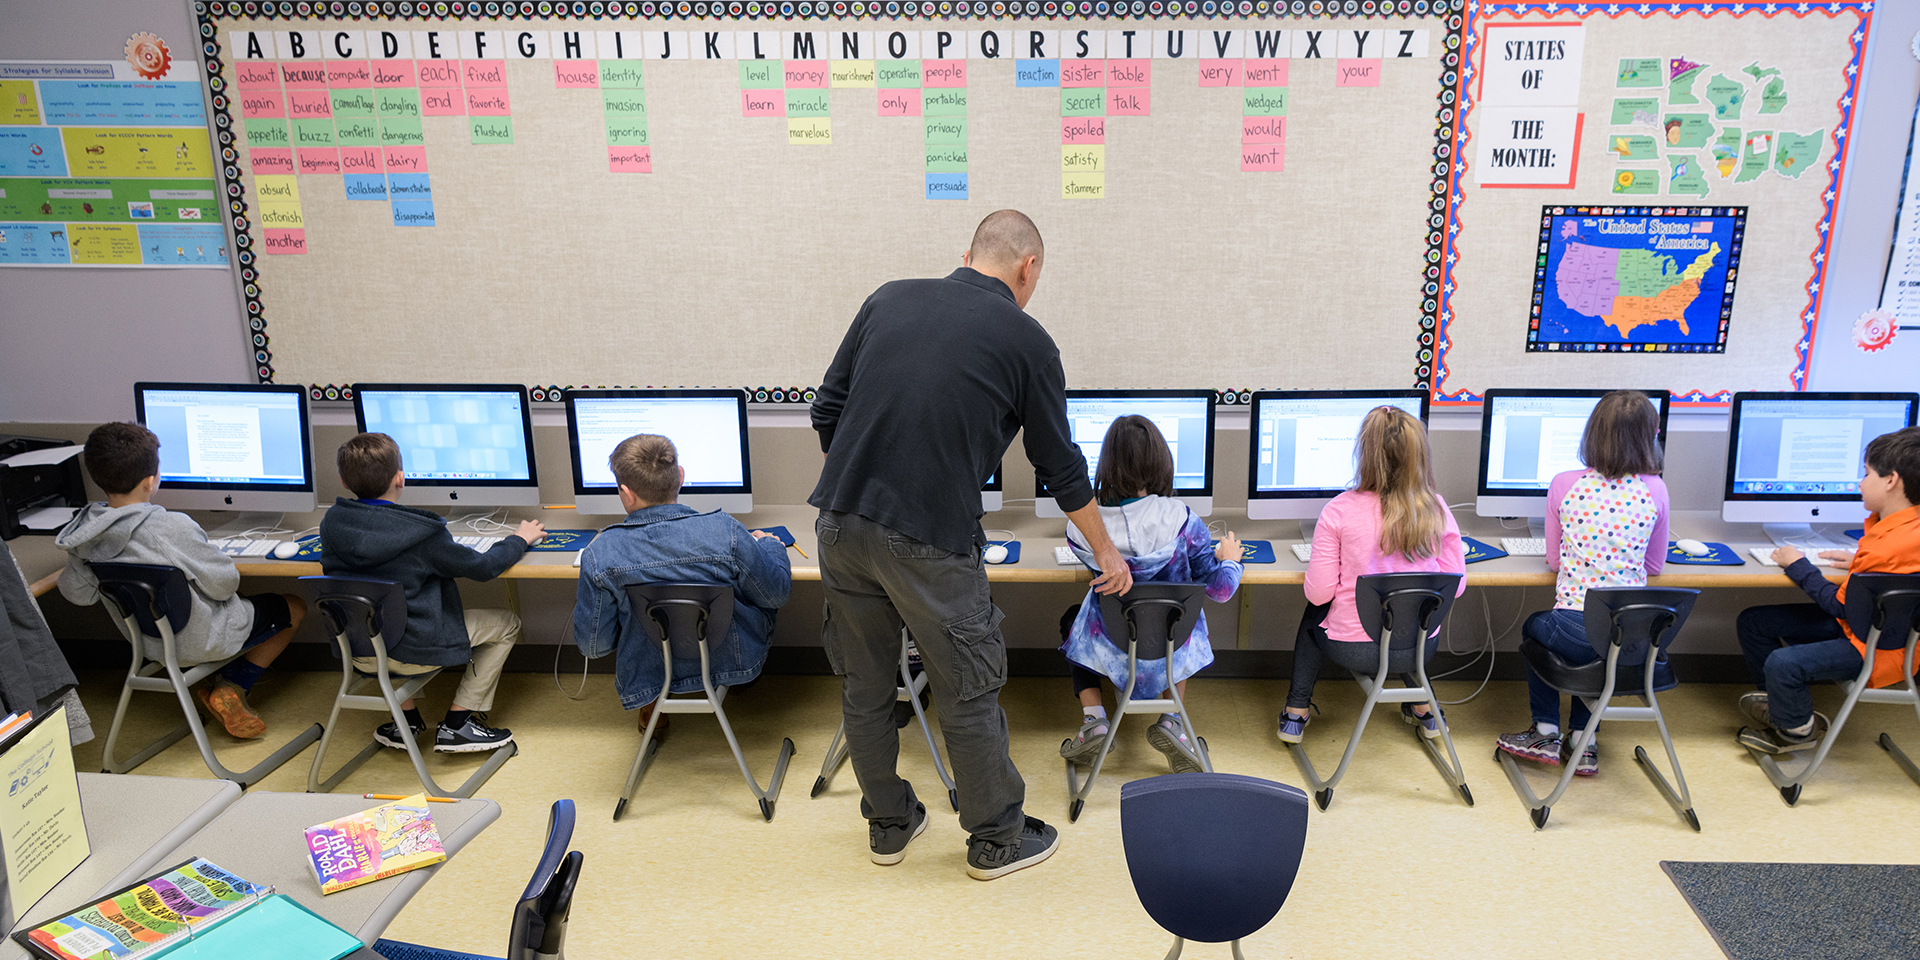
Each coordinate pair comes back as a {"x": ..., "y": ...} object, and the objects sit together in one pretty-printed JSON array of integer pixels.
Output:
[{"x": 926, "y": 392}]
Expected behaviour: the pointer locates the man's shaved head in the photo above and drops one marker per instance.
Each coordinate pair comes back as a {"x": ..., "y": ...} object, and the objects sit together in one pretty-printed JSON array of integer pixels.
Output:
[{"x": 1004, "y": 239}]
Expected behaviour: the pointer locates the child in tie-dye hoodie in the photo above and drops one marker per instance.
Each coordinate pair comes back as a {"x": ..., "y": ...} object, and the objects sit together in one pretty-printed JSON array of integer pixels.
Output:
[{"x": 1163, "y": 541}]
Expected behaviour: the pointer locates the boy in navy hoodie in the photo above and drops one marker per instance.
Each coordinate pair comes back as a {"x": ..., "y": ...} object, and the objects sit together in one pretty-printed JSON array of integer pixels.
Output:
[{"x": 370, "y": 535}]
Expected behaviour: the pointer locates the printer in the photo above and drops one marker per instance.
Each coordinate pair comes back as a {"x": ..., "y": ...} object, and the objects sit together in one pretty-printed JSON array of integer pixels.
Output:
[{"x": 40, "y": 485}]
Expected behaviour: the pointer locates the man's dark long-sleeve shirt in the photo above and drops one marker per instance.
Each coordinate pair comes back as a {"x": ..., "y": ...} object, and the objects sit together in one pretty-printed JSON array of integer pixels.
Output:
[{"x": 927, "y": 390}]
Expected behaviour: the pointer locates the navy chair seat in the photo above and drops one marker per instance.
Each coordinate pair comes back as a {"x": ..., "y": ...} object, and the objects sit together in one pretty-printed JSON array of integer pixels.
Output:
[{"x": 1590, "y": 679}]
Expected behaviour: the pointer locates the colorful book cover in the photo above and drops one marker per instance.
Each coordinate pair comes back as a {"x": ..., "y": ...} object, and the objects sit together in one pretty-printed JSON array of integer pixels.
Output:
[
  {"x": 374, "y": 844},
  {"x": 139, "y": 918}
]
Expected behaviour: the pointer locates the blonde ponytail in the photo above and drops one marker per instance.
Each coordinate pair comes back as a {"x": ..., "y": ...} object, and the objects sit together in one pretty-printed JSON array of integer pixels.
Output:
[{"x": 1397, "y": 464}]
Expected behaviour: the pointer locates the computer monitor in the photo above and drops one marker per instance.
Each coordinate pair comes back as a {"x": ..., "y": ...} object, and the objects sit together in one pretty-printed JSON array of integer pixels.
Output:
[
  {"x": 1302, "y": 453},
  {"x": 230, "y": 446},
  {"x": 1795, "y": 459},
  {"x": 460, "y": 444},
  {"x": 708, "y": 429},
  {"x": 1529, "y": 435},
  {"x": 1185, "y": 418},
  {"x": 990, "y": 495}
]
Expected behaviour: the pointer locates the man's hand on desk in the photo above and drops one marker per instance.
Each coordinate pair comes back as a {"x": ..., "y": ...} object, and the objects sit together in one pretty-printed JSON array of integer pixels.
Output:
[{"x": 532, "y": 531}]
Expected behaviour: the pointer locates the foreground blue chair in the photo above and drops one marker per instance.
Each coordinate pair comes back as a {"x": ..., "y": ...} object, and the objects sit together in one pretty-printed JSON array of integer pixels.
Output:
[
  {"x": 1212, "y": 855},
  {"x": 539, "y": 930}
]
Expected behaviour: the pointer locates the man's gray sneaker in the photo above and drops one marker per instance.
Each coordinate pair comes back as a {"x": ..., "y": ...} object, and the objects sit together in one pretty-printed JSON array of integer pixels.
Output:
[
  {"x": 987, "y": 860},
  {"x": 1087, "y": 744},
  {"x": 889, "y": 843},
  {"x": 1169, "y": 736}
]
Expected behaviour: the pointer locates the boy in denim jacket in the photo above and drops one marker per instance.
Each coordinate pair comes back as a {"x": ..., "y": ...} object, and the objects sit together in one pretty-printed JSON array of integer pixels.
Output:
[{"x": 662, "y": 541}]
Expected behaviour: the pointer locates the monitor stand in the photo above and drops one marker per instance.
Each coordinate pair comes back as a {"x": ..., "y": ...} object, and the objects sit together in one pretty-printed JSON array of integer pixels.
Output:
[
  {"x": 1307, "y": 528},
  {"x": 239, "y": 523},
  {"x": 1537, "y": 527},
  {"x": 1803, "y": 536}
]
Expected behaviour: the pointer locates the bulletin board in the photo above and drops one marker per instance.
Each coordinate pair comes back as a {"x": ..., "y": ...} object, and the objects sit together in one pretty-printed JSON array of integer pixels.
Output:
[
  {"x": 1231, "y": 196},
  {"x": 1643, "y": 195}
]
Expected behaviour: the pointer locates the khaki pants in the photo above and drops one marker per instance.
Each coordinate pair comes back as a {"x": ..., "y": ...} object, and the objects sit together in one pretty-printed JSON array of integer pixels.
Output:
[{"x": 492, "y": 633}]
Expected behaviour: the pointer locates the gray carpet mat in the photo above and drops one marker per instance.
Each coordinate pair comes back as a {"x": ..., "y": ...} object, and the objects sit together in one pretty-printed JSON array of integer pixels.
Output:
[{"x": 1802, "y": 911}]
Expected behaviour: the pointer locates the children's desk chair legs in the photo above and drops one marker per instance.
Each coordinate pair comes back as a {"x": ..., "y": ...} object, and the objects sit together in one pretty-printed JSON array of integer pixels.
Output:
[
  {"x": 682, "y": 618},
  {"x": 911, "y": 684},
  {"x": 361, "y": 611},
  {"x": 539, "y": 930},
  {"x": 1632, "y": 623},
  {"x": 1159, "y": 619},
  {"x": 1399, "y": 611},
  {"x": 1885, "y": 609},
  {"x": 1212, "y": 855},
  {"x": 151, "y": 600}
]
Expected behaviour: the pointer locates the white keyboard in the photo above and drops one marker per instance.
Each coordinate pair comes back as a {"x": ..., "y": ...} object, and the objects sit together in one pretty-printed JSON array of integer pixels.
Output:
[
  {"x": 1524, "y": 546},
  {"x": 245, "y": 548},
  {"x": 482, "y": 544},
  {"x": 1304, "y": 551},
  {"x": 1063, "y": 556},
  {"x": 1765, "y": 556}
]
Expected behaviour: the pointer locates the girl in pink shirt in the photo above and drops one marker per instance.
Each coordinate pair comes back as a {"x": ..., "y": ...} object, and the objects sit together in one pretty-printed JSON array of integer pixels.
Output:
[
  {"x": 1393, "y": 521},
  {"x": 1606, "y": 527}
]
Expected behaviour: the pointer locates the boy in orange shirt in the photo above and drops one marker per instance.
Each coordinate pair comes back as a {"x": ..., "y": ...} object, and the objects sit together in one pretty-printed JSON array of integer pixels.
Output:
[{"x": 1818, "y": 645}]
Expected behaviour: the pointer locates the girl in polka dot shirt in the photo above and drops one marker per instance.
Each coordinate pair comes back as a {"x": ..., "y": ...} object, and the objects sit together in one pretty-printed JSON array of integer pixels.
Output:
[{"x": 1606, "y": 527}]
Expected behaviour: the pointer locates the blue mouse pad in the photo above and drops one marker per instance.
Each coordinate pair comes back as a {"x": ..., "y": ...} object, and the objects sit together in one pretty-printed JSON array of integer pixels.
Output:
[
  {"x": 565, "y": 540},
  {"x": 785, "y": 535},
  {"x": 1722, "y": 556},
  {"x": 309, "y": 549},
  {"x": 1857, "y": 534},
  {"x": 1254, "y": 551},
  {"x": 1013, "y": 551},
  {"x": 1478, "y": 550}
]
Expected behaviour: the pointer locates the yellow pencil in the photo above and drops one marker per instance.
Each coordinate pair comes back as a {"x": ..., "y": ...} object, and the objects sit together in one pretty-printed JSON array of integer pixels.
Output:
[
  {"x": 395, "y": 796},
  {"x": 803, "y": 553}
]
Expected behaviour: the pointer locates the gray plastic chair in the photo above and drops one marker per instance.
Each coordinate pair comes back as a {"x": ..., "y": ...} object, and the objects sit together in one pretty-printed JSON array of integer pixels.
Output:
[
  {"x": 152, "y": 600},
  {"x": 911, "y": 684},
  {"x": 1885, "y": 609},
  {"x": 1159, "y": 619},
  {"x": 682, "y": 618},
  {"x": 361, "y": 611},
  {"x": 1405, "y": 609},
  {"x": 1631, "y": 627}
]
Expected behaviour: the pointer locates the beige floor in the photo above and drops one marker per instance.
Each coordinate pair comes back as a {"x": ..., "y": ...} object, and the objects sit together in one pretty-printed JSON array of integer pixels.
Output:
[{"x": 1398, "y": 867}]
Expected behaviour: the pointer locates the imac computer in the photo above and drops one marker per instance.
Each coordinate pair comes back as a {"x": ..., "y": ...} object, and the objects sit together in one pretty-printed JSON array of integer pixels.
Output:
[
  {"x": 708, "y": 429},
  {"x": 460, "y": 444},
  {"x": 990, "y": 494},
  {"x": 1795, "y": 459},
  {"x": 1302, "y": 452},
  {"x": 228, "y": 446},
  {"x": 1529, "y": 435},
  {"x": 1185, "y": 418}
]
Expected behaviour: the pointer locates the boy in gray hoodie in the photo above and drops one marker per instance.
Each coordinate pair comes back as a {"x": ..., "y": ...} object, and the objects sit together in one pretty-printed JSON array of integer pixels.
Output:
[{"x": 124, "y": 460}]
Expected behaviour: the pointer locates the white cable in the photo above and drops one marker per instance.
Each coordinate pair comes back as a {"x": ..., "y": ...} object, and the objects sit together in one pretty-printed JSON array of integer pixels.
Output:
[
  {"x": 566, "y": 639},
  {"x": 1011, "y": 536}
]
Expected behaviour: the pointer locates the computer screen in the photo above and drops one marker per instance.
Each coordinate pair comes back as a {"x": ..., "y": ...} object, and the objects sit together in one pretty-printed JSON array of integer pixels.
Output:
[
  {"x": 1303, "y": 441},
  {"x": 708, "y": 429},
  {"x": 1528, "y": 436},
  {"x": 471, "y": 443},
  {"x": 1185, "y": 419},
  {"x": 230, "y": 446},
  {"x": 1806, "y": 446}
]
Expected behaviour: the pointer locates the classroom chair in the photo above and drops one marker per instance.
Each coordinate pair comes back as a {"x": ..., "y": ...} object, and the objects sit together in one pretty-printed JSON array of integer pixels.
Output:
[
  {"x": 1631, "y": 627},
  {"x": 1885, "y": 609},
  {"x": 1212, "y": 855},
  {"x": 911, "y": 685},
  {"x": 1404, "y": 609},
  {"x": 151, "y": 600},
  {"x": 361, "y": 610},
  {"x": 1159, "y": 619},
  {"x": 682, "y": 618},
  {"x": 539, "y": 927}
]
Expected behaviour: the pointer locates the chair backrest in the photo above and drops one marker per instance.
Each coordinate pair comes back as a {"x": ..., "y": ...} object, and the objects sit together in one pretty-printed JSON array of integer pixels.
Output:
[
  {"x": 1887, "y": 601},
  {"x": 147, "y": 592},
  {"x": 540, "y": 918},
  {"x": 1212, "y": 855},
  {"x": 360, "y": 608},
  {"x": 1404, "y": 608},
  {"x": 1158, "y": 617},
  {"x": 682, "y": 614},
  {"x": 1636, "y": 618}
]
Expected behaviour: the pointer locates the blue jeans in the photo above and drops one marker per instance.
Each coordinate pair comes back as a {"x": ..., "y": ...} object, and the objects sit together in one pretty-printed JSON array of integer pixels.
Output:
[
  {"x": 1789, "y": 648},
  {"x": 1565, "y": 633}
]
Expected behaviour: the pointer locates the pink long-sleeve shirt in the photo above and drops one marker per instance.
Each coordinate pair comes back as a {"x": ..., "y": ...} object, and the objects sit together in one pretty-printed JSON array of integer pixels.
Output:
[
  {"x": 1604, "y": 533},
  {"x": 1346, "y": 547}
]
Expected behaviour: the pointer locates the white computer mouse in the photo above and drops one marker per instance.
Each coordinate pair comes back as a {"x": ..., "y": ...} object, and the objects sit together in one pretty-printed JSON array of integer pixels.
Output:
[
  {"x": 286, "y": 550},
  {"x": 1693, "y": 548},
  {"x": 995, "y": 553}
]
